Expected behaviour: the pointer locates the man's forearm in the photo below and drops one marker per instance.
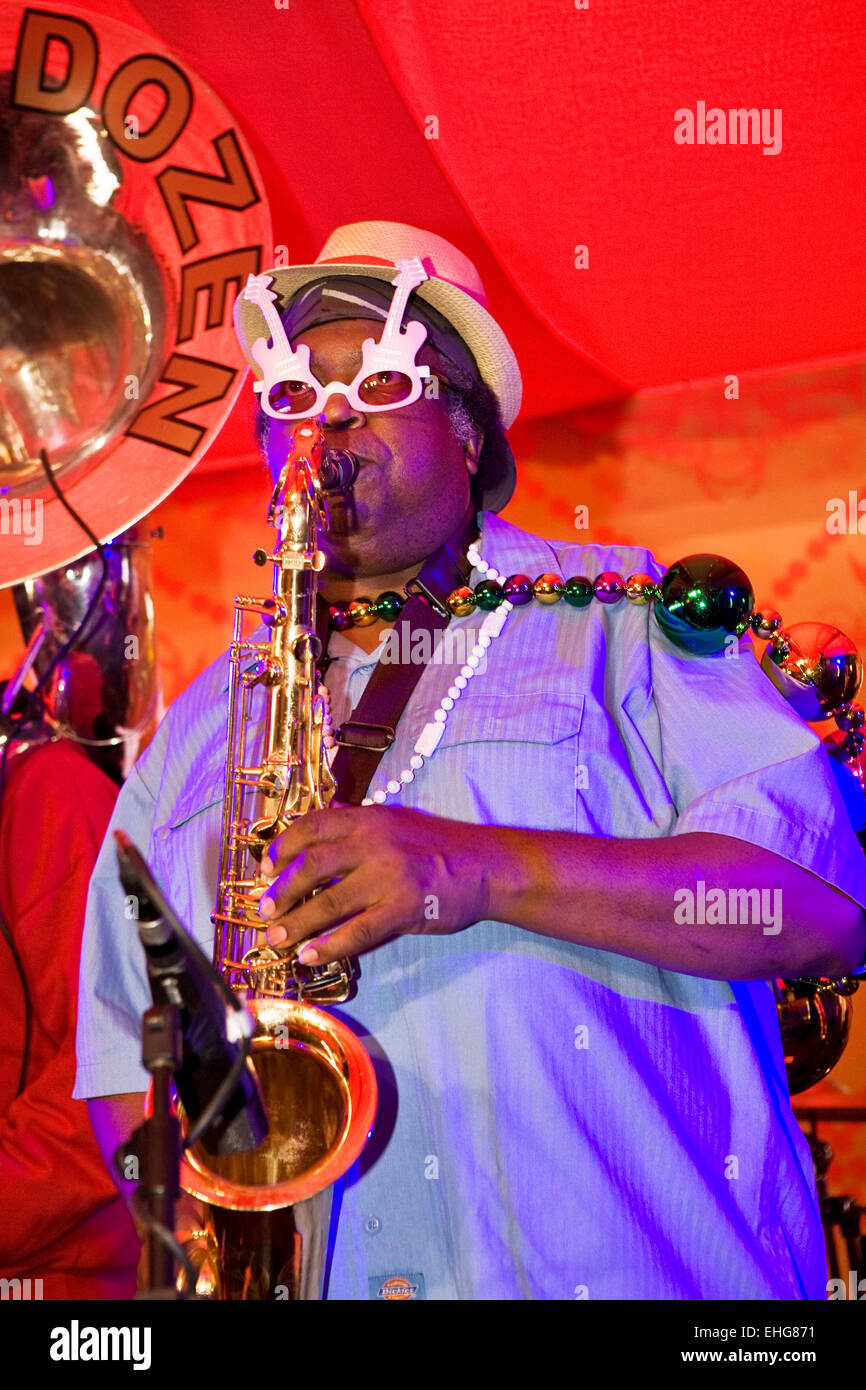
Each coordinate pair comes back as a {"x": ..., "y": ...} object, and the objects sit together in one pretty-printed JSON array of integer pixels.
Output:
[
  {"x": 635, "y": 897},
  {"x": 113, "y": 1119}
]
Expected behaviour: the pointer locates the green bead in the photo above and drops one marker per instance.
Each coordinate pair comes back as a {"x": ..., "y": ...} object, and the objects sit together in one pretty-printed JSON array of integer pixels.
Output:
[
  {"x": 705, "y": 599},
  {"x": 389, "y": 605},
  {"x": 488, "y": 594},
  {"x": 578, "y": 591}
]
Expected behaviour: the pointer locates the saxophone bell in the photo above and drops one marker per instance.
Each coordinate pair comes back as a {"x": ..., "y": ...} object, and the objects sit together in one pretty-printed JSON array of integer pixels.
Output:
[{"x": 815, "y": 1017}]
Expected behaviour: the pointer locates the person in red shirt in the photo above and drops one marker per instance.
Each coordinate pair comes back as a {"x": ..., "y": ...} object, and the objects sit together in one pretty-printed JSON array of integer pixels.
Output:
[{"x": 61, "y": 1219}]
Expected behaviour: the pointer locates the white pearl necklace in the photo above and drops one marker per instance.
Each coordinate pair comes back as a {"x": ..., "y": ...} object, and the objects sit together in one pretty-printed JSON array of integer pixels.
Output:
[
  {"x": 431, "y": 735},
  {"x": 327, "y": 723}
]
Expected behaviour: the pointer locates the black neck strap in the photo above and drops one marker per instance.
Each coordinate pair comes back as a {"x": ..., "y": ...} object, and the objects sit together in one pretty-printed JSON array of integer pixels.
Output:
[{"x": 365, "y": 737}]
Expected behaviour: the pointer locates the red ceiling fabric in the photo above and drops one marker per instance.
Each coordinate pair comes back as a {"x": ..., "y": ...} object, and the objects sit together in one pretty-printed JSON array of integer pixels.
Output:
[
  {"x": 336, "y": 144},
  {"x": 557, "y": 128}
]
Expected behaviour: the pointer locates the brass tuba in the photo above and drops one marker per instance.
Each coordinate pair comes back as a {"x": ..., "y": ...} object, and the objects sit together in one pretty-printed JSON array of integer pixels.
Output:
[{"x": 269, "y": 1209}]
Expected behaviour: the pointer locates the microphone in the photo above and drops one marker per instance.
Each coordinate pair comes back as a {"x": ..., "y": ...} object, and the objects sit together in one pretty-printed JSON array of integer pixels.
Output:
[{"x": 216, "y": 1025}]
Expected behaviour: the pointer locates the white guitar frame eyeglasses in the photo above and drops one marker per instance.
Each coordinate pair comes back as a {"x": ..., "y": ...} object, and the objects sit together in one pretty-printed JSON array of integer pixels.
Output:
[{"x": 387, "y": 379}]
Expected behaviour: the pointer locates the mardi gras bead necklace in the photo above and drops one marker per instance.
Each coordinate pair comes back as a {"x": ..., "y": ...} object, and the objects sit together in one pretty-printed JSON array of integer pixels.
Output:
[{"x": 703, "y": 603}]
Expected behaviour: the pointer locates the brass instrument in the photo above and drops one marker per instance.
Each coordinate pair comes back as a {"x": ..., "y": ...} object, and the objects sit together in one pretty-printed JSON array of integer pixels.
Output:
[
  {"x": 818, "y": 670},
  {"x": 94, "y": 299},
  {"x": 269, "y": 1208},
  {"x": 104, "y": 695},
  {"x": 815, "y": 1020}
]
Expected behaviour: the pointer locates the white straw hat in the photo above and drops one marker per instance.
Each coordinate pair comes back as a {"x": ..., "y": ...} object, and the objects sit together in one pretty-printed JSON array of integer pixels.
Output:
[{"x": 454, "y": 289}]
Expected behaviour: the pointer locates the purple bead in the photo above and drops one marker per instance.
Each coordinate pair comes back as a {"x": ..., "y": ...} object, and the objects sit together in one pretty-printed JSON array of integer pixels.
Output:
[
  {"x": 518, "y": 590},
  {"x": 340, "y": 616},
  {"x": 609, "y": 587}
]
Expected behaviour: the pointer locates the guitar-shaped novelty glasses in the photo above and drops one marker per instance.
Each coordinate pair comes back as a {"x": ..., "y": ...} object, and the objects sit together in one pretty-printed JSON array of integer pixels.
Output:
[{"x": 387, "y": 378}]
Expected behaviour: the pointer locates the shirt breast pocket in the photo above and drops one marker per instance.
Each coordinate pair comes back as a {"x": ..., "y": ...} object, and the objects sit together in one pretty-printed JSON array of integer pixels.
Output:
[
  {"x": 511, "y": 759},
  {"x": 188, "y": 848}
]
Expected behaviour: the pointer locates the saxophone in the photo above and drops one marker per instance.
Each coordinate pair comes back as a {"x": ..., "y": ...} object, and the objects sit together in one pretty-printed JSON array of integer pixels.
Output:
[
  {"x": 815, "y": 1017},
  {"x": 268, "y": 1210}
]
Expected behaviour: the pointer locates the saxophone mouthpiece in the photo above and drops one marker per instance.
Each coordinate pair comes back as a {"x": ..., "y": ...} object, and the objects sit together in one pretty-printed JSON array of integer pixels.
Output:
[{"x": 339, "y": 470}]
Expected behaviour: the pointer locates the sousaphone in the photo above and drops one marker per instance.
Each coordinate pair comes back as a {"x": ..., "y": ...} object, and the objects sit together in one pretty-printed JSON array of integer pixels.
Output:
[{"x": 118, "y": 362}]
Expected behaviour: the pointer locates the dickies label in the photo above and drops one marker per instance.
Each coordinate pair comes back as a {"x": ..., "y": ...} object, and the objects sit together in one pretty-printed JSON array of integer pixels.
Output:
[{"x": 396, "y": 1288}]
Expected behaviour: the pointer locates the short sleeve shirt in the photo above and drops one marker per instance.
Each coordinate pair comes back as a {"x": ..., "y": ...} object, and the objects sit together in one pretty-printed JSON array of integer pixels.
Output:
[{"x": 555, "y": 1121}]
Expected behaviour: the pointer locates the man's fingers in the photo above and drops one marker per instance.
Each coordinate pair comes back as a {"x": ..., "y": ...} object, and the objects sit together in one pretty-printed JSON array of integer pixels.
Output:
[
  {"x": 312, "y": 868},
  {"x": 313, "y": 828},
  {"x": 319, "y": 913},
  {"x": 361, "y": 933}
]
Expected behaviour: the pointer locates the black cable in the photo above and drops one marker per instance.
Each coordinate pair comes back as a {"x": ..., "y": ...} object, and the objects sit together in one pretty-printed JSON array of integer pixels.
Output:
[
  {"x": 163, "y": 1235},
  {"x": 98, "y": 591}
]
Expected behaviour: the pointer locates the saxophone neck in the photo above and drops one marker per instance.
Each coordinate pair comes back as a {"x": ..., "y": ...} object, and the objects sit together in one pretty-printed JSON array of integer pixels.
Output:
[{"x": 311, "y": 471}]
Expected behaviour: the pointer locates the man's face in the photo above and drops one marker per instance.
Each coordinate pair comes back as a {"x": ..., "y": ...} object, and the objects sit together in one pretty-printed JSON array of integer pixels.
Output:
[{"x": 412, "y": 488}]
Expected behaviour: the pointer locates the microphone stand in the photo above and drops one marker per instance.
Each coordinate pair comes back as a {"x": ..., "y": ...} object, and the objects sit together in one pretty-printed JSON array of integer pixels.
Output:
[
  {"x": 156, "y": 1145},
  {"x": 159, "y": 1138}
]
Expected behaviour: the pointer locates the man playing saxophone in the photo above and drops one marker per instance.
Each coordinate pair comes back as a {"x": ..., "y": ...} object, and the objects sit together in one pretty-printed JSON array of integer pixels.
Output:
[{"x": 582, "y": 1093}]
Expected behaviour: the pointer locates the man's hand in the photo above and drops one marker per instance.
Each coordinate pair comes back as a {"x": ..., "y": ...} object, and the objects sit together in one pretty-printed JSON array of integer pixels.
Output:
[{"x": 383, "y": 871}]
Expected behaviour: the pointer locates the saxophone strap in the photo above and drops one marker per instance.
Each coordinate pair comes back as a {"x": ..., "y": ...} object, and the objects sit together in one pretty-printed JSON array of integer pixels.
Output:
[{"x": 367, "y": 735}]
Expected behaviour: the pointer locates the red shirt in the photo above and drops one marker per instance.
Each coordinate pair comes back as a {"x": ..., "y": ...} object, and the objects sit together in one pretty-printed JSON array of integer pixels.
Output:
[{"x": 61, "y": 1219}]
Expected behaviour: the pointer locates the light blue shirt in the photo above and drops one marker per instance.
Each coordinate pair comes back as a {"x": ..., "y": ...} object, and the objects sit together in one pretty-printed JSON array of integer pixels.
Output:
[{"x": 555, "y": 1121}]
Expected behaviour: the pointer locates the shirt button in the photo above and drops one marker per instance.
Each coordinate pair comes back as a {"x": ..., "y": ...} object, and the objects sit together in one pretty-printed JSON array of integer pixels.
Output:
[{"x": 372, "y": 1225}]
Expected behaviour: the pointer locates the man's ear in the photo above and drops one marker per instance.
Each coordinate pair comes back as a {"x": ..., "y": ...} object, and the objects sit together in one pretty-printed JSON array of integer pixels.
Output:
[{"x": 473, "y": 452}]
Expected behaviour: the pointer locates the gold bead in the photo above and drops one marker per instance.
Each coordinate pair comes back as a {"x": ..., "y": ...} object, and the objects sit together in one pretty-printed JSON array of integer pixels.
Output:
[
  {"x": 816, "y": 667},
  {"x": 548, "y": 588},
  {"x": 362, "y": 612},
  {"x": 461, "y": 602},
  {"x": 765, "y": 623},
  {"x": 640, "y": 589}
]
